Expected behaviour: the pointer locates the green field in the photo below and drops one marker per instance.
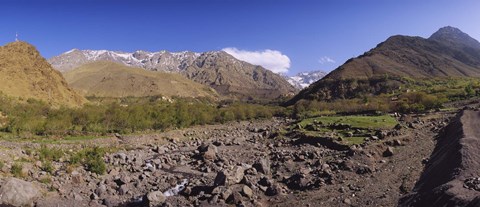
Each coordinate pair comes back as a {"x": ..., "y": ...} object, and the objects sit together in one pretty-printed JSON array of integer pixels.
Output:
[
  {"x": 359, "y": 127},
  {"x": 360, "y": 122}
]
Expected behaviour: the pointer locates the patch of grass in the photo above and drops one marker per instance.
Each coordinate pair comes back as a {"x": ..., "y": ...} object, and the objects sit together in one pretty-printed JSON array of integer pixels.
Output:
[
  {"x": 67, "y": 140},
  {"x": 360, "y": 127},
  {"x": 16, "y": 170},
  {"x": 45, "y": 180},
  {"x": 361, "y": 122},
  {"x": 1, "y": 164},
  {"x": 28, "y": 151},
  {"x": 47, "y": 166},
  {"x": 354, "y": 140},
  {"x": 91, "y": 158},
  {"x": 50, "y": 154}
]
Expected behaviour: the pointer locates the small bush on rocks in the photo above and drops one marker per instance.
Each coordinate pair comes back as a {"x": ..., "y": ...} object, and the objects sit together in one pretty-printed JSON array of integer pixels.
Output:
[{"x": 91, "y": 158}]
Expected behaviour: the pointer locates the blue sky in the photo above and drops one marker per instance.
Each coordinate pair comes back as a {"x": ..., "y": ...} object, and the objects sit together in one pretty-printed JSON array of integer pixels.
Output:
[{"x": 294, "y": 35}]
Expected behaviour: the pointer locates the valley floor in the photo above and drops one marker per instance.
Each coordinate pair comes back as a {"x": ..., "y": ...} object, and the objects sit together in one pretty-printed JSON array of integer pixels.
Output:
[{"x": 251, "y": 163}]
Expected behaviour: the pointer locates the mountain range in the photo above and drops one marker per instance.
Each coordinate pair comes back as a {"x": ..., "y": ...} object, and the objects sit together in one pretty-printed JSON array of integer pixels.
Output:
[
  {"x": 219, "y": 70},
  {"x": 447, "y": 53}
]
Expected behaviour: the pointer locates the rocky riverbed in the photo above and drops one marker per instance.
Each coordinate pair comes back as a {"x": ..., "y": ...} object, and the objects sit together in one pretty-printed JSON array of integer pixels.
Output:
[{"x": 242, "y": 163}]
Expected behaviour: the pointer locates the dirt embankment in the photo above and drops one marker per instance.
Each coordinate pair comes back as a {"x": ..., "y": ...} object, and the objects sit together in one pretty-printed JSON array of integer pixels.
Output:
[{"x": 451, "y": 177}]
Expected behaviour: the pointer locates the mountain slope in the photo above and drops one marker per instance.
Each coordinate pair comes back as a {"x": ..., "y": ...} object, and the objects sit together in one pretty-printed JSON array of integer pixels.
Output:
[
  {"x": 219, "y": 70},
  {"x": 235, "y": 78},
  {"x": 108, "y": 79},
  {"x": 25, "y": 73},
  {"x": 303, "y": 80},
  {"x": 447, "y": 53}
]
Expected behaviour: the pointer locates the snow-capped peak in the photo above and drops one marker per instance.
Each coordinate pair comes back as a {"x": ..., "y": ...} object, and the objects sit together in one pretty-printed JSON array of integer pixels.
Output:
[
  {"x": 304, "y": 79},
  {"x": 162, "y": 60}
]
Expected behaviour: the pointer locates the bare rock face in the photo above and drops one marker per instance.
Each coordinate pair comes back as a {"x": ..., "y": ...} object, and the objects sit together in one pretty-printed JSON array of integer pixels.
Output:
[{"x": 15, "y": 192}]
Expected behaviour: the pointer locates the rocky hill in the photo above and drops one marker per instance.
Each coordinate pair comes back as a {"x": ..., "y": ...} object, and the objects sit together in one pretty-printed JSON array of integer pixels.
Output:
[
  {"x": 447, "y": 53},
  {"x": 235, "y": 78},
  {"x": 304, "y": 79},
  {"x": 219, "y": 70},
  {"x": 26, "y": 74},
  {"x": 109, "y": 79}
]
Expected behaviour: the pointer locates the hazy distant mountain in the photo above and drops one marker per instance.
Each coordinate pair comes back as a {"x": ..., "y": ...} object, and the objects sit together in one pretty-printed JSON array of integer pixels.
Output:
[
  {"x": 109, "y": 79},
  {"x": 304, "y": 79},
  {"x": 25, "y": 73},
  {"x": 447, "y": 53},
  {"x": 219, "y": 70}
]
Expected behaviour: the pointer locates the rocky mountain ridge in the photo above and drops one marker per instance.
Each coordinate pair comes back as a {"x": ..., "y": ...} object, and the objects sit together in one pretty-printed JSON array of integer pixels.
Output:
[
  {"x": 229, "y": 76},
  {"x": 155, "y": 61}
]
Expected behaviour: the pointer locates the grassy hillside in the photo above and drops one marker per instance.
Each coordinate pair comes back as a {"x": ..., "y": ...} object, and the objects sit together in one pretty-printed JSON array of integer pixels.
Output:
[
  {"x": 25, "y": 74},
  {"x": 108, "y": 79}
]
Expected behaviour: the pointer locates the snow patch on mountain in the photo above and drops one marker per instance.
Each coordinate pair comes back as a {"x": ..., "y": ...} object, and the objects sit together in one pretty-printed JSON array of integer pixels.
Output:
[{"x": 304, "y": 79}]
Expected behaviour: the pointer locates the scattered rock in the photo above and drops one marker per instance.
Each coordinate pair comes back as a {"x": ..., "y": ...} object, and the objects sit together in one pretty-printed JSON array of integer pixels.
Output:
[
  {"x": 388, "y": 152},
  {"x": 238, "y": 174},
  {"x": 220, "y": 179},
  {"x": 262, "y": 165},
  {"x": 273, "y": 190},
  {"x": 247, "y": 191},
  {"x": 472, "y": 184},
  {"x": 363, "y": 170}
]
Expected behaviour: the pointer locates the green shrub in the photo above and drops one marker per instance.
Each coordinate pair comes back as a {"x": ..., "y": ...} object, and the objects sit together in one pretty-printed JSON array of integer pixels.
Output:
[
  {"x": 91, "y": 158},
  {"x": 49, "y": 154},
  {"x": 16, "y": 170}
]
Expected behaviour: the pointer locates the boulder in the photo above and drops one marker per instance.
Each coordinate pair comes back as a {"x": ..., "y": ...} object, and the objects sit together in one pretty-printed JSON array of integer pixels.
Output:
[
  {"x": 238, "y": 174},
  {"x": 156, "y": 198},
  {"x": 16, "y": 192},
  {"x": 209, "y": 152},
  {"x": 388, "y": 152},
  {"x": 247, "y": 191},
  {"x": 220, "y": 179},
  {"x": 273, "y": 190},
  {"x": 262, "y": 165}
]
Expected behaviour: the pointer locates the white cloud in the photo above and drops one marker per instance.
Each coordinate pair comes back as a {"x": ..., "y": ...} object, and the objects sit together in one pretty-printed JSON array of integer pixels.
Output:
[
  {"x": 273, "y": 60},
  {"x": 325, "y": 60}
]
